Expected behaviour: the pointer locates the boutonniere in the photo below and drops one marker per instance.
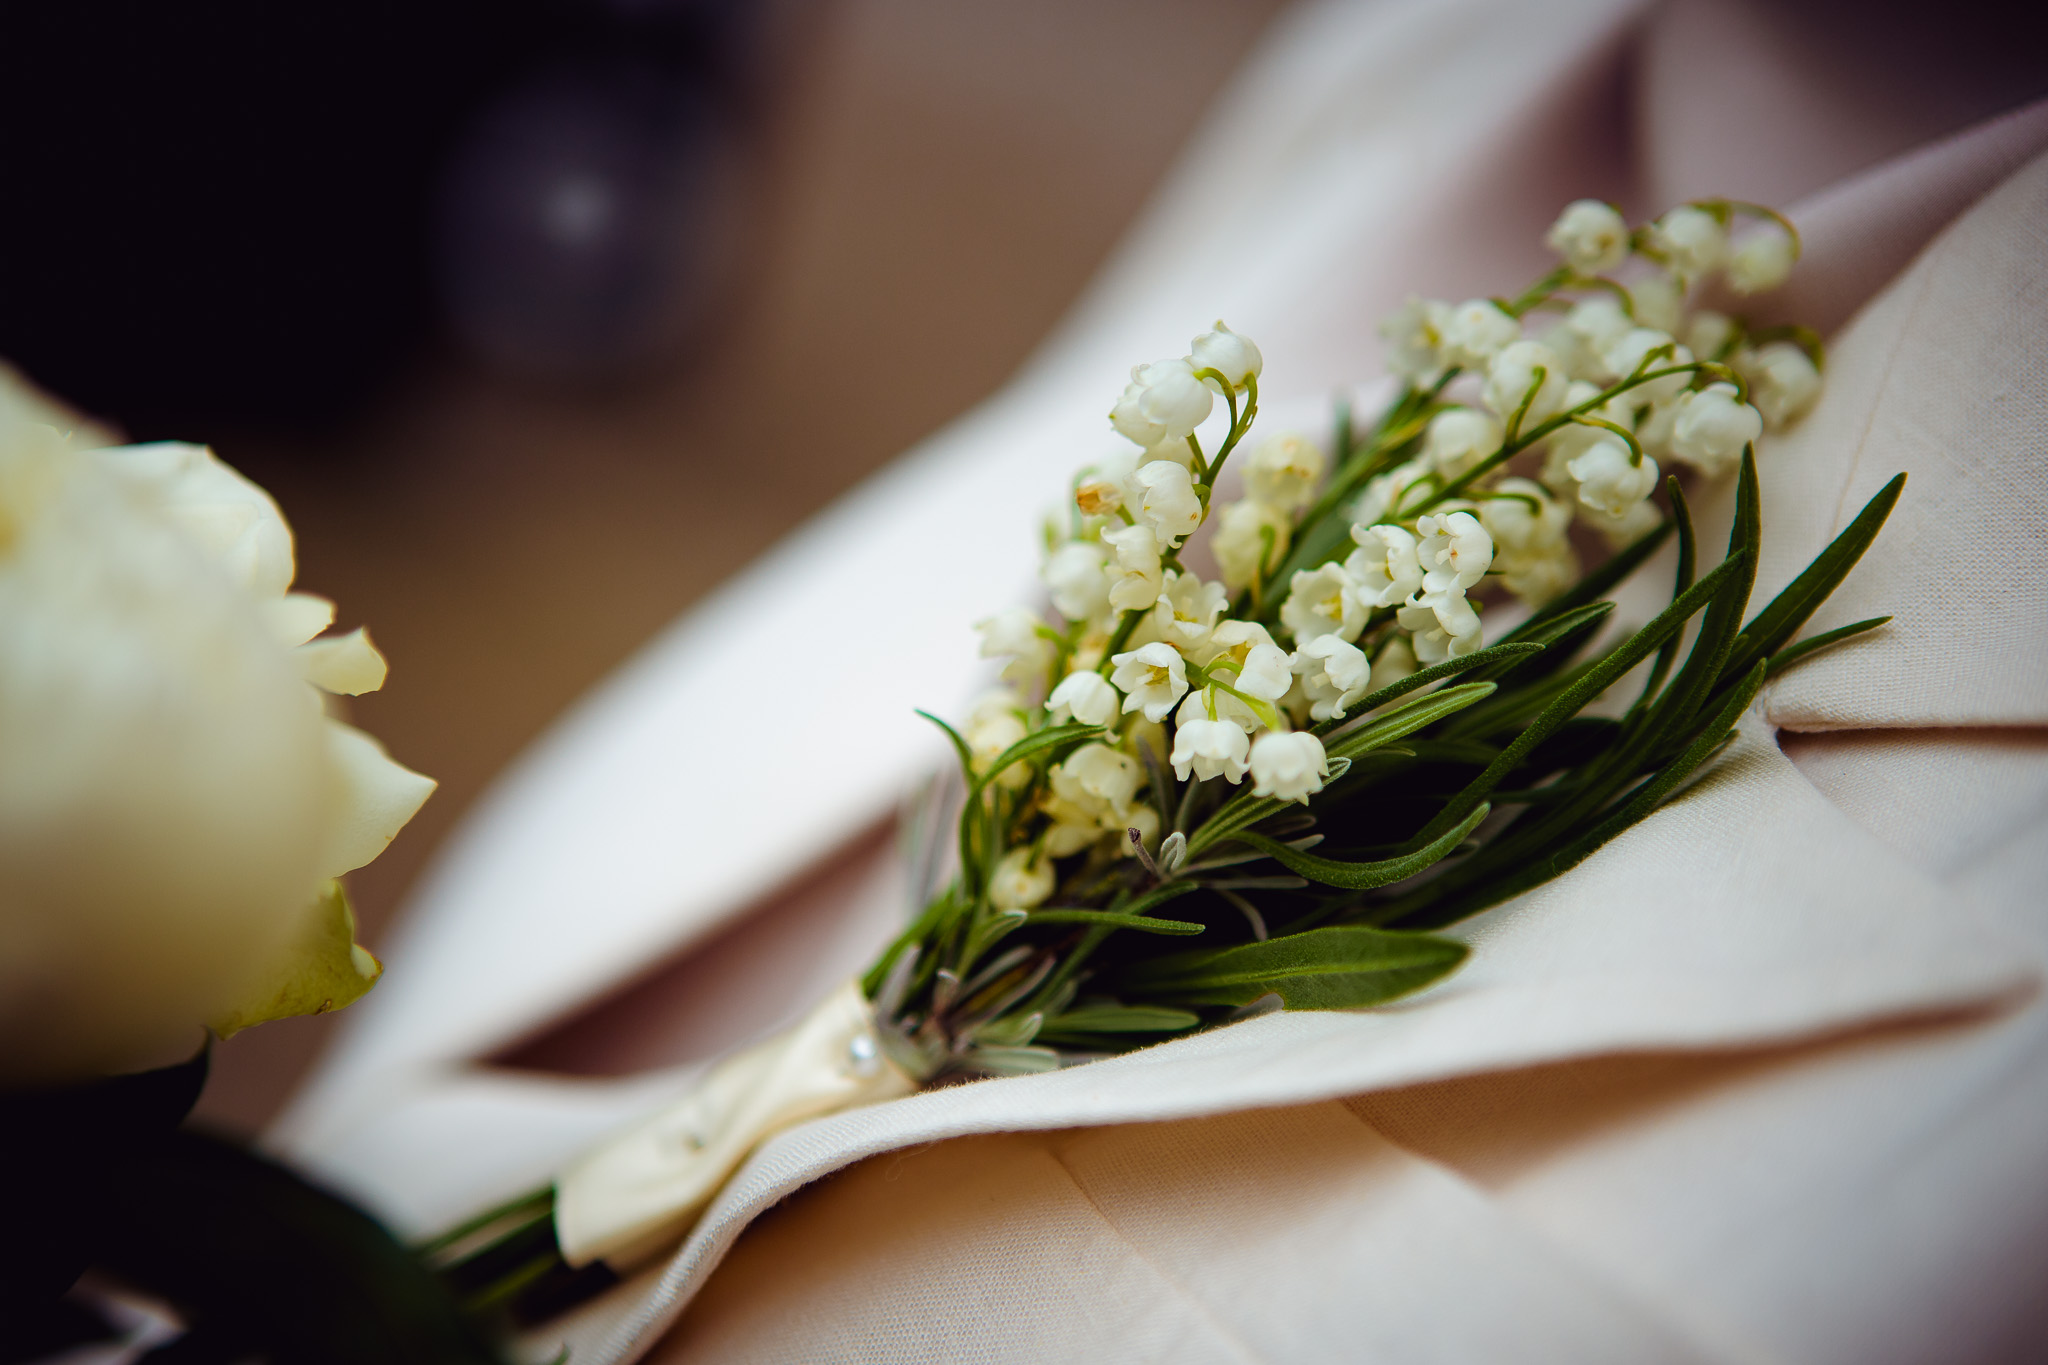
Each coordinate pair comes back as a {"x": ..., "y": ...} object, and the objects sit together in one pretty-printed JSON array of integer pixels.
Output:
[{"x": 1259, "y": 745}]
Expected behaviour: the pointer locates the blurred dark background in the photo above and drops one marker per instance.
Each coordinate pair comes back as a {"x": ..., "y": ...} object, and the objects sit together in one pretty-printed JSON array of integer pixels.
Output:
[{"x": 541, "y": 317}]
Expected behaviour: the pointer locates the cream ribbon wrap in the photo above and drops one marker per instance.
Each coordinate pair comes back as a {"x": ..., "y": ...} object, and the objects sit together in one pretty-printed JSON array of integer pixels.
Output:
[{"x": 631, "y": 1199}]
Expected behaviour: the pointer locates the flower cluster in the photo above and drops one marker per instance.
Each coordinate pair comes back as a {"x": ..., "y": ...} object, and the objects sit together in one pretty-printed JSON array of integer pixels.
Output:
[{"x": 1338, "y": 573}]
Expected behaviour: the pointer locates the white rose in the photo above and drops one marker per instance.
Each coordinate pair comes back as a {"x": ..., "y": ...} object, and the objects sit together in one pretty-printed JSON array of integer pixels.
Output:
[{"x": 173, "y": 800}]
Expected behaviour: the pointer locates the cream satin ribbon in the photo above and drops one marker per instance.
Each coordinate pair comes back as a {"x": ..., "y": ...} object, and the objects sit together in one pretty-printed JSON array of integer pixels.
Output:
[{"x": 634, "y": 1197}]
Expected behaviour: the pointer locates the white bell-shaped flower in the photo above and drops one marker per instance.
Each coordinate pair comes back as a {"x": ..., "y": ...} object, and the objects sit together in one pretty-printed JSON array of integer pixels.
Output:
[
  {"x": 1163, "y": 402},
  {"x": 1610, "y": 480},
  {"x": 1322, "y": 601},
  {"x": 1334, "y": 674},
  {"x": 1454, "y": 551},
  {"x": 1205, "y": 746},
  {"x": 1137, "y": 577},
  {"x": 1443, "y": 626},
  {"x": 1711, "y": 426},
  {"x": 1229, "y": 354},
  {"x": 1783, "y": 381},
  {"x": 1591, "y": 236},
  {"x": 1152, "y": 678},
  {"x": 1187, "y": 610},
  {"x": 1265, "y": 673},
  {"x": 1167, "y": 503},
  {"x": 1083, "y": 696},
  {"x": 1384, "y": 568},
  {"x": 1289, "y": 767}
]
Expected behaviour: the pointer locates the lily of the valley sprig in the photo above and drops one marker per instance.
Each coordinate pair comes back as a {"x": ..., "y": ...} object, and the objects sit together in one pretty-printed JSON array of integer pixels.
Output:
[
  {"x": 1194, "y": 798},
  {"x": 1144, "y": 790}
]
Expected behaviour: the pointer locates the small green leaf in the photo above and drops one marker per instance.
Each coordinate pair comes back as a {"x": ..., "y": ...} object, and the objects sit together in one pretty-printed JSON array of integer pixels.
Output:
[
  {"x": 1342, "y": 967},
  {"x": 959, "y": 745},
  {"x": 327, "y": 970}
]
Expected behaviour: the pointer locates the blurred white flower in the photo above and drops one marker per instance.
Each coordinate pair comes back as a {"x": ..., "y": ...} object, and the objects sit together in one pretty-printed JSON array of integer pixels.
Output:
[
  {"x": 1460, "y": 438},
  {"x": 1077, "y": 579},
  {"x": 1383, "y": 569},
  {"x": 1659, "y": 301},
  {"x": 1152, "y": 679},
  {"x": 1636, "y": 348},
  {"x": 1761, "y": 260},
  {"x": 1532, "y": 544},
  {"x": 1783, "y": 381},
  {"x": 1383, "y": 495},
  {"x": 1711, "y": 426},
  {"x": 1581, "y": 340},
  {"x": 1475, "y": 332},
  {"x": 1231, "y": 355},
  {"x": 1017, "y": 634},
  {"x": 1590, "y": 235},
  {"x": 1415, "y": 336},
  {"x": 1094, "y": 787},
  {"x": 1288, "y": 767},
  {"x": 1285, "y": 472},
  {"x": 1138, "y": 577},
  {"x": 1021, "y": 879},
  {"x": 1085, "y": 696},
  {"x": 1527, "y": 372},
  {"x": 1321, "y": 601},
  {"x": 1707, "y": 333},
  {"x": 1168, "y": 503},
  {"x": 1163, "y": 402},
  {"x": 988, "y": 738},
  {"x": 1250, "y": 540},
  {"x": 1692, "y": 239},
  {"x": 173, "y": 801}
]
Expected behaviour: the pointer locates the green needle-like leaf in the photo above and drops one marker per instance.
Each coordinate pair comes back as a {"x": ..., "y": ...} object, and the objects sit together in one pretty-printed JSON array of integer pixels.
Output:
[
  {"x": 1788, "y": 611},
  {"x": 1145, "y": 923},
  {"x": 1049, "y": 738},
  {"x": 1792, "y": 654},
  {"x": 1103, "y": 1018},
  {"x": 1362, "y": 876}
]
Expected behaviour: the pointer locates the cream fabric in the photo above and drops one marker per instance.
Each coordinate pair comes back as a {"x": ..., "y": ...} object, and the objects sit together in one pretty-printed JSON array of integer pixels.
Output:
[{"x": 1862, "y": 915}]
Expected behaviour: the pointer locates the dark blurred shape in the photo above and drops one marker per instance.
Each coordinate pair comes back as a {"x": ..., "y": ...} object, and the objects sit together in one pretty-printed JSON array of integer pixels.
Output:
[
  {"x": 589, "y": 219},
  {"x": 221, "y": 212}
]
